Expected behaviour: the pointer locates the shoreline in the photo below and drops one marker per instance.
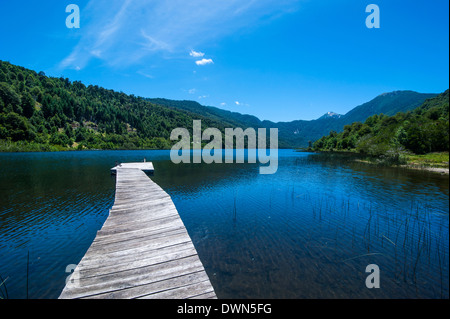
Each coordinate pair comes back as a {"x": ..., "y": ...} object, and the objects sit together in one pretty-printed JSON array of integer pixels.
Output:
[
  {"x": 440, "y": 170},
  {"x": 427, "y": 162}
]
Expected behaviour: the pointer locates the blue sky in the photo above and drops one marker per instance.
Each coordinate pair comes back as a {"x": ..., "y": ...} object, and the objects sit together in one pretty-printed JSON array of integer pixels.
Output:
[{"x": 279, "y": 60}]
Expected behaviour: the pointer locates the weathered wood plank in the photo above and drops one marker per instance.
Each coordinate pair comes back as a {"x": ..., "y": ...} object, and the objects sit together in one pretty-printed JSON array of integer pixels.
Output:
[
  {"x": 143, "y": 249},
  {"x": 187, "y": 291},
  {"x": 139, "y": 275},
  {"x": 141, "y": 215},
  {"x": 144, "y": 166},
  {"x": 86, "y": 289},
  {"x": 102, "y": 266},
  {"x": 157, "y": 287},
  {"x": 136, "y": 247},
  {"x": 100, "y": 240},
  {"x": 126, "y": 227},
  {"x": 208, "y": 295}
]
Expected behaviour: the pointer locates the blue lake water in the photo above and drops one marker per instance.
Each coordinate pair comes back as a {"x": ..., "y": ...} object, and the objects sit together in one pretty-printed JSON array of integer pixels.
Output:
[{"x": 308, "y": 231}]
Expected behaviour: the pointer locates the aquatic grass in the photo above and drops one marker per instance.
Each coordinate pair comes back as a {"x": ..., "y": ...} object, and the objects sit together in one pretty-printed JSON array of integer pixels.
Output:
[
  {"x": 331, "y": 224},
  {"x": 362, "y": 255},
  {"x": 3, "y": 289},
  {"x": 440, "y": 268},
  {"x": 28, "y": 272},
  {"x": 406, "y": 239},
  {"x": 234, "y": 208},
  {"x": 388, "y": 239}
]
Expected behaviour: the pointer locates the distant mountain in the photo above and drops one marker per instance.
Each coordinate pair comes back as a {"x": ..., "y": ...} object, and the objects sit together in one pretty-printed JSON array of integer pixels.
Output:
[
  {"x": 38, "y": 112},
  {"x": 41, "y": 113},
  {"x": 234, "y": 119},
  {"x": 298, "y": 133},
  {"x": 388, "y": 104},
  {"x": 423, "y": 130},
  {"x": 330, "y": 115}
]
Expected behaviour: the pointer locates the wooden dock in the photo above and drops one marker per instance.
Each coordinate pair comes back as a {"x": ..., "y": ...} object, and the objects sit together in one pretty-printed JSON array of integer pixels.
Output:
[
  {"x": 147, "y": 167},
  {"x": 143, "y": 249}
]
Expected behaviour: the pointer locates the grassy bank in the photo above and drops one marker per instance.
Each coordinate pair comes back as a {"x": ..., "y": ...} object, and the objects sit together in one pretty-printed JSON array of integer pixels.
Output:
[
  {"x": 24, "y": 146},
  {"x": 435, "y": 160}
]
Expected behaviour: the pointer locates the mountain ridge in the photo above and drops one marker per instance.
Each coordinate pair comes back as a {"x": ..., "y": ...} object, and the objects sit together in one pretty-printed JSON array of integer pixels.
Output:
[
  {"x": 41, "y": 110},
  {"x": 330, "y": 114},
  {"x": 298, "y": 133},
  {"x": 423, "y": 130}
]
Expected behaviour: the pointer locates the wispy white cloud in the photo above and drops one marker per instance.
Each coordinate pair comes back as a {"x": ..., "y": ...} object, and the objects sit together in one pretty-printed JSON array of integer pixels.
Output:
[
  {"x": 99, "y": 35},
  {"x": 144, "y": 74},
  {"x": 196, "y": 54},
  {"x": 153, "y": 44},
  {"x": 240, "y": 103},
  {"x": 192, "y": 91},
  {"x": 96, "y": 53},
  {"x": 204, "y": 62},
  {"x": 122, "y": 33}
]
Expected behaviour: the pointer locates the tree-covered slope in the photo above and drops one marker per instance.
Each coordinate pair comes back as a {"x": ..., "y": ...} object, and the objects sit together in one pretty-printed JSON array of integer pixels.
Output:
[
  {"x": 41, "y": 112},
  {"x": 423, "y": 130},
  {"x": 299, "y": 133},
  {"x": 233, "y": 119},
  {"x": 38, "y": 112}
]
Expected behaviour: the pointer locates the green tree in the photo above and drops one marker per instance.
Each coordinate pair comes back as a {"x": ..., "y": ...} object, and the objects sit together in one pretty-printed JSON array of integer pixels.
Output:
[
  {"x": 17, "y": 127},
  {"x": 8, "y": 95},
  {"x": 27, "y": 105}
]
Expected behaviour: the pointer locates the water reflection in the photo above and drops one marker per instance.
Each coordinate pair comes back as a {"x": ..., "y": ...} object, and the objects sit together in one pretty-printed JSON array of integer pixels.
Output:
[{"x": 307, "y": 231}]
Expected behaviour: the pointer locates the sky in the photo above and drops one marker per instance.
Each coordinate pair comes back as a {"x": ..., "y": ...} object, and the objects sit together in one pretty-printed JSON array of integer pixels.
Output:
[{"x": 279, "y": 60}]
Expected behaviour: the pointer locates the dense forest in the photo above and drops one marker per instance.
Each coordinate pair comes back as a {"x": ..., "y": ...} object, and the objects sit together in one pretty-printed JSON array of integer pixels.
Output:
[
  {"x": 422, "y": 130},
  {"x": 41, "y": 113},
  {"x": 298, "y": 133}
]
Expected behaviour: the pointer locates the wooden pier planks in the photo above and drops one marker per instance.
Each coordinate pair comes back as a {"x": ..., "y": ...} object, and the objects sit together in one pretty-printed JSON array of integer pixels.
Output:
[
  {"x": 142, "y": 251},
  {"x": 144, "y": 166}
]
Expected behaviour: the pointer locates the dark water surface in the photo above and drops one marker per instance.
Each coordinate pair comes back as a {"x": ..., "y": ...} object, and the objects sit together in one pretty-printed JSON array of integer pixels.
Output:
[{"x": 308, "y": 231}]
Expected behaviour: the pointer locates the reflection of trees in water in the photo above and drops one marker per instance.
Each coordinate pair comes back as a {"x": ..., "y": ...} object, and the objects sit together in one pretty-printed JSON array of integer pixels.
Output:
[
  {"x": 408, "y": 179},
  {"x": 193, "y": 177}
]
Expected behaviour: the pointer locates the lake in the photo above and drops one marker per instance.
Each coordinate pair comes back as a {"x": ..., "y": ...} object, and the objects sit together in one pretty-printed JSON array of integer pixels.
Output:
[{"x": 308, "y": 231}]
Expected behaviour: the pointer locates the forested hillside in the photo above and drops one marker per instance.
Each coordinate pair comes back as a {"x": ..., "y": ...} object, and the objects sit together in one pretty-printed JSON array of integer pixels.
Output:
[
  {"x": 41, "y": 113},
  {"x": 46, "y": 113},
  {"x": 299, "y": 133},
  {"x": 423, "y": 130}
]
